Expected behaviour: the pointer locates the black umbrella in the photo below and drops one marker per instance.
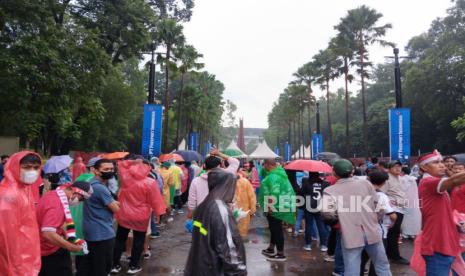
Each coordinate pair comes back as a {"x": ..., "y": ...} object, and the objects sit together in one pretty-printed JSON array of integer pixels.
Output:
[{"x": 189, "y": 155}]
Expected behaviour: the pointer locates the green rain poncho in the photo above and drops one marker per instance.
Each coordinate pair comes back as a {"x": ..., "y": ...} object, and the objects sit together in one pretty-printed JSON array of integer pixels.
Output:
[{"x": 277, "y": 185}]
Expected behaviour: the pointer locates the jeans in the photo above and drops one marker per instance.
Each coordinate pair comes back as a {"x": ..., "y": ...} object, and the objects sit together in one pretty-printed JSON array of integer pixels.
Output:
[
  {"x": 120, "y": 246},
  {"x": 56, "y": 264},
  {"x": 338, "y": 258},
  {"x": 276, "y": 232},
  {"x": 98, "y": 261},
  {"x": 153, "y": 225},
  {"x": 438, "y": 264},
  {"x": 352, "y": 259},
  {"x": 310, "y": 220},
  {"x": 392, "y": 249},
  {"x": 300, "y": 217}
]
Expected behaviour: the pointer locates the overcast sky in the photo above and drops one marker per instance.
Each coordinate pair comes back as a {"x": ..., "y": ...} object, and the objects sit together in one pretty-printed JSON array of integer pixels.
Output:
[{"x": 254, "y": 46}]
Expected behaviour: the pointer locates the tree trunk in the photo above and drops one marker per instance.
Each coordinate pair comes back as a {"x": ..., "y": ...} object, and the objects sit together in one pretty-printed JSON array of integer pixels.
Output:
[
  {"x": 302, "y": 140},
  {"x": 365, "y": 137},
  {"x": 166, "y": 102},
  {"x": 346, "y": 77},
  {"x": 300, "y": 133},
  {"x": 330, "y": 130},
  {"x": 178, "y": 124}
]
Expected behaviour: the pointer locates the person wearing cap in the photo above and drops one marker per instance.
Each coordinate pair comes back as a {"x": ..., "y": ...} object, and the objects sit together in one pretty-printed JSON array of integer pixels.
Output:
[
  {"x": 440, "y": 239},
  {"x": 91, "y": 163},
  {"x": 395, "y": 192},
  {"x": 359, "y": 227},
  {"x": 57, "y": 230}
]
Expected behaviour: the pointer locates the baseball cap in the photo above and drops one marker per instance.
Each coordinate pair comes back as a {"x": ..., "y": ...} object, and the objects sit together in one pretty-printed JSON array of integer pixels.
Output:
[{"x": 343, "y": 167}]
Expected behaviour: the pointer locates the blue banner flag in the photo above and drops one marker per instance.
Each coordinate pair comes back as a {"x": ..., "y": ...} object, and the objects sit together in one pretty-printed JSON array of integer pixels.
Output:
[
  {"x": 317, "y": 144},
  {"x": 287, "y": 152},
  {"x": 276, "y": 150},
  {"x": 151, "y": 130},
  {"x": 193, "y": 141},
  {"x": 399, "y": 134},
  {"x": 207, "y": 147}
]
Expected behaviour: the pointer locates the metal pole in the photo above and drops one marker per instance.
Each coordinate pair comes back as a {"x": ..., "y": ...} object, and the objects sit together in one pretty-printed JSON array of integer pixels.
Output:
[
  {"x": 397, "y": 79},
  {"x": 151, "y": 88},
  {"x": 317, "y": 118}
]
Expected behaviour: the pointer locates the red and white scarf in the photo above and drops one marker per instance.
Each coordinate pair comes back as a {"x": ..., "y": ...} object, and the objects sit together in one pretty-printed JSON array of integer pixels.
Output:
[{"x": 69, "y": 223}]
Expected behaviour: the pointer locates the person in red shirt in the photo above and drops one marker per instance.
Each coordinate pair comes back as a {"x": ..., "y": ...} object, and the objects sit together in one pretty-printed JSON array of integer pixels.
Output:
[
  {"x": 56, "y": 226},
  {"x": 458, "y": 193},
  {"x": 440, "y": 241}
]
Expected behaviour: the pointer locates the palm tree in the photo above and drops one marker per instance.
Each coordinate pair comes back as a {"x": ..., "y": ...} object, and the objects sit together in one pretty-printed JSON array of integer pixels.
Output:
[
  {"x": 307, "y": 74},
  {"x": 342, "y": 47},
  {"x": 360, "y": 25},
  {"x": 170, "y": 34},
  {"x": 188, "y": 56},
  {"x": 327, "y": 65}
]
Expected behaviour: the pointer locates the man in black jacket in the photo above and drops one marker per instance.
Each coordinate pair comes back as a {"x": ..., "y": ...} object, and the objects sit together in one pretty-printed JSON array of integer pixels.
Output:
[{"x": 312, "y": 190}]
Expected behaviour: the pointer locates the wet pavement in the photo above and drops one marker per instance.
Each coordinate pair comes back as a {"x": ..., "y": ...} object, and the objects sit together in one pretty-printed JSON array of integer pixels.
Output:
[{"x": 170, "y": 251}]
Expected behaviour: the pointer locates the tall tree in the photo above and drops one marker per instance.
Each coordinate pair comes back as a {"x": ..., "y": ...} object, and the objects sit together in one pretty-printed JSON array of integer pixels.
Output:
[
  {"x": 360, "y": 25},
  {"x": 307, "y": 74},
  {"x": 328, "y": 65},
  {"x": 188, "y": 56},
  {"x": 169, "y": 34},
  {"x": 343, "y": 47}
]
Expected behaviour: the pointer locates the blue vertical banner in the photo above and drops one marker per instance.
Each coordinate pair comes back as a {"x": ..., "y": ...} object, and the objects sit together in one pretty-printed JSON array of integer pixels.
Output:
[
  {"x": 207, "y": 147},
  {"x": 317, "y": 144},
  {"x": 399, "y": 134},
  {"x": 151, "y": 130},
  {"x": 276, "y": 150},
  {"x": 193, "y": 141},
  {"x": 287, "y": 152}
]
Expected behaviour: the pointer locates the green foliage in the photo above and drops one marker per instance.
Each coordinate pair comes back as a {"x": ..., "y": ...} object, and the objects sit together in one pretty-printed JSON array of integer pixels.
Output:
[
  {"x": 71, "y": 76},
  {"x": 433, "y": 87}
]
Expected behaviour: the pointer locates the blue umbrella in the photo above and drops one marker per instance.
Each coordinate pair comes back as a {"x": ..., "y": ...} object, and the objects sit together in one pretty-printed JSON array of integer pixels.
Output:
[
  {"x": 189, "y": 155},
  {"x": 57, "y": 163}
]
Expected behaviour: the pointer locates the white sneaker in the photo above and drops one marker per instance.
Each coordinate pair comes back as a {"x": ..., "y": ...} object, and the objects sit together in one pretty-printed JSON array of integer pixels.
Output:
[
  {"x": 116, "y": 269},
  {"x": 307, "y": 247},
  {"x": 134, "y": 270},
  {"x": 180, "y": 211},
  {"x": 301, "y": 231},
  {"x": 324, "y": 248},
  {"x": 170, "y": 219},
  {"x": 329, "y": 259}
]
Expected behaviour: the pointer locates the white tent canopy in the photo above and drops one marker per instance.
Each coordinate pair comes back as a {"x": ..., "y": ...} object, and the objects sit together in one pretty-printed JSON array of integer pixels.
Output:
[
  {"x": 182, "y": 145},
  {"x": 233, "y": 146},
  {"x": 303, "y": 152},
  {"x": 263, "y": 152}
]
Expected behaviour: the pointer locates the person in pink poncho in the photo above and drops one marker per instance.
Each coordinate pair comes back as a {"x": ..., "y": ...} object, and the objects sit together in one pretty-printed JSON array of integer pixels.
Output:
[
  {"x": 138, "y": 196},
  {"x": 19, "y": 232},
  {"x": 78, "y": 168}
]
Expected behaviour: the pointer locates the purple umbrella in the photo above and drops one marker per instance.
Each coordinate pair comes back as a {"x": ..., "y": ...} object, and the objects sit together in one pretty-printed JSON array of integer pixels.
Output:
[{"x": 57, "y": 163}]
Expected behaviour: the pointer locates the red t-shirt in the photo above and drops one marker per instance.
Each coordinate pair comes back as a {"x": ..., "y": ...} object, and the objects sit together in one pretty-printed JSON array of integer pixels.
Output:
[
  {"x": 50, "y": 217},
  {"x": 458, "y": 199},
  {"x": 439, "y": 230}
]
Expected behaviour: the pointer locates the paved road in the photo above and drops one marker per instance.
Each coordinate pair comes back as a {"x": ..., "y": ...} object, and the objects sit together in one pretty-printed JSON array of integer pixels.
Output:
[{"x": 169, "y": 254}]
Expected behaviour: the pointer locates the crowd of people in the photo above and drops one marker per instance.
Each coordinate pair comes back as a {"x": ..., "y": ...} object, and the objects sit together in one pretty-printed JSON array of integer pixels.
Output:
[{"x": 107, "y": 211}]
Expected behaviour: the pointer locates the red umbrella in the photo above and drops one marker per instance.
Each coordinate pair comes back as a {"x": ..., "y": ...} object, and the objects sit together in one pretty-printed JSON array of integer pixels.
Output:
[
  {"x": 166, "y": 157},
  {"x": 114, "y": 155},
  {"x": 309, "y": 166}
]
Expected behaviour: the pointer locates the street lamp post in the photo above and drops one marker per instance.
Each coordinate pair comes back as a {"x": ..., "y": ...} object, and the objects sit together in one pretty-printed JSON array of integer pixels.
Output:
[
  {"x": 398, "y": 85},
  {"x": 317, "y": 118},
  {"x": 151, "y": 88}
]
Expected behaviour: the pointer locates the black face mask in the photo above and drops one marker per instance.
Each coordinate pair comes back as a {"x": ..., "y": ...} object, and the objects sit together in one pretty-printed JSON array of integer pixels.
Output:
[{"x": 107, "y": 175}]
